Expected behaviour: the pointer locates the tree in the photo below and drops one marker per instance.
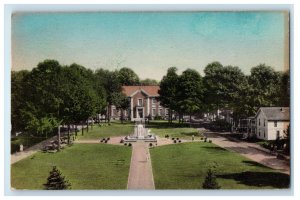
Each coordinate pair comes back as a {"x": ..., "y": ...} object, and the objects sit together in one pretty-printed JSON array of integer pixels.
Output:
[
  {"x": 264, "y": 84},
  {"x": 44, "y": 99},
  {"x": 56, "y": 181},
  {"x": 287, "y": 139},
  {"x": 121, "y": 102},
  {"x": 149, "y": 81},
  {"x": 210, "y": 181},
  {"x": 18, "y": 96},
  {"x": 128, "y": 77},
  {"x": 112, "y": 85},
  {"x": 168, "y": 91},
  {"x": 225, "y": 87},
  {"x": 284, "y": 89},
  {"x": 189, "y": 92}
]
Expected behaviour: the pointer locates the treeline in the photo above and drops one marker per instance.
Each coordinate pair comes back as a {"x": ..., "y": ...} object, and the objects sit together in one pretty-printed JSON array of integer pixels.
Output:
[
  {"x": 224, "y": 87},
  {"x": 51, "y": 95}
]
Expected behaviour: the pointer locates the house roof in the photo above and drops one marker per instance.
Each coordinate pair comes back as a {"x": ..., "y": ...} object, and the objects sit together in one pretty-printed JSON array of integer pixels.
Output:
[
  {"x": 276, "y": 113},
  {"x": 149, "y": 90}
]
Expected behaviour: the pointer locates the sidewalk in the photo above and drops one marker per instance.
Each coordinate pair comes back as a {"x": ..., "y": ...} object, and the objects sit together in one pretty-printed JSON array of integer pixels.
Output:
[
  {"x": 140, "y": 172},
  {"x": 31, "y": 150},
  {"x": 250, "y": 150},
  {"x": 15, "y": 157}
]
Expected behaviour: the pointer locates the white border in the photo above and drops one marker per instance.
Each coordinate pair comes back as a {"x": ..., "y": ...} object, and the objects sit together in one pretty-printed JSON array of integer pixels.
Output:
[{"x": 6, "y": 86}]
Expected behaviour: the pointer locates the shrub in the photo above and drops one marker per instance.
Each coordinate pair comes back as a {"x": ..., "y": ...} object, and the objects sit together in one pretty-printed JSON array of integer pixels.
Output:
[
  {"x": 201, "y": 138},
  {"x": 108, "y": 138},
  {"x": 173, "y": 138},
  {"x": 174, "y": 141},
  {"x": 209, "y": 141},
  {"x": 122, "y": 141},
  {"x": 56, "y": 181},
  {"x": 210, "y": 181},
  {"x": 150, "y": 144},
  {"x": 129, "y": 144},
  {"x": 177, "y": 138},
  {"x": 157, "y": 117},
  {"x": 14, "y": 148},
  {"x": 205, "y": 139},
  {"x": 179, "y": 141},
  {"x": 125, "y": 144},
  {"x": 105, "y": 141}
]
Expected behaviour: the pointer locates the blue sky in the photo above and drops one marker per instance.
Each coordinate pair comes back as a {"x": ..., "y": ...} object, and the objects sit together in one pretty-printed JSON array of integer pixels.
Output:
[{"x": 149, "y": 42}]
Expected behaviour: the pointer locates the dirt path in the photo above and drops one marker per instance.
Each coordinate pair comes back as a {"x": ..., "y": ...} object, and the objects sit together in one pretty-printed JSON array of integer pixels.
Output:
[
  {"x": 250, "y": 150},
  {"x": 140, "y": 172}
]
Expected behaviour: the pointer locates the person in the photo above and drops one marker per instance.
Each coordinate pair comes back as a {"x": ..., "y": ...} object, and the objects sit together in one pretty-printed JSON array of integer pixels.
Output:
[{"x": 193, "y": 137}]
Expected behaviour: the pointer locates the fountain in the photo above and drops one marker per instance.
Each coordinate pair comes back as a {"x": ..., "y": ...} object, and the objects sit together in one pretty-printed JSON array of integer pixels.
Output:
[{"x": 140, "y": 133}]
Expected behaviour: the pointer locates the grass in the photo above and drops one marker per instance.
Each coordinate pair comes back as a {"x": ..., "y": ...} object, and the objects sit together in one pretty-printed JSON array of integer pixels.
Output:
[
  {"x": 115, "y": 129},
  {"x": 162, "y": 128},
  {"x": 184, "y": 166},
  {"x": 86, "y": 166}
]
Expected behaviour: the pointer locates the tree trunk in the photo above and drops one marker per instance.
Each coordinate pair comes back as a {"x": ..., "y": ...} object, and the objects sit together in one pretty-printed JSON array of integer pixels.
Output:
[
  {"x": 87, "y": 126},
  {"x": 68, "y": 133},
  {"x": 76, "y": 130},
  {"x": 58, "y": 135},
  {"x": 122, "y": 116},
  {"x": 82, "y": 128}
]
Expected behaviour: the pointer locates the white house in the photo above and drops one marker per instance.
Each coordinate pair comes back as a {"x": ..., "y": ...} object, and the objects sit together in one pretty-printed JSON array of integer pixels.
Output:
[{"x": 271, "y": 122}]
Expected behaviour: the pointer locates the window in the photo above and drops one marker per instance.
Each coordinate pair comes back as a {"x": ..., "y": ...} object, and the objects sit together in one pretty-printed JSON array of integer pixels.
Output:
[
  {"x": 153, "y": 111},
  {"x": 140, "y": 102},
  {"x": 264, "y": 134},
  {"x": 160, "y": 112},
  {"x": 167, "y": 111},
  {"x": 259, "y": 133},
  {"x": 277, "y": 134},
  {"x": 153, "y": 101},
  {"x": 264, "y": 122},
  {"x": 275, "y": 123}
]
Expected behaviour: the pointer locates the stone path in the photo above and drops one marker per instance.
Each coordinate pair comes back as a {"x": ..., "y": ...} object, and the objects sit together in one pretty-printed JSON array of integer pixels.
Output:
[
  {"x": 140, "y": 172},
  {"x": 250, "y": 150}
]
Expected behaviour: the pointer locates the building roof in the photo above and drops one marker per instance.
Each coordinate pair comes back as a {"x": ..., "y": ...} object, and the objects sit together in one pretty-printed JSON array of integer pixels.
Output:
[
  {"x": 276, "y": 113},
  {"x": 150, "y": 90}
]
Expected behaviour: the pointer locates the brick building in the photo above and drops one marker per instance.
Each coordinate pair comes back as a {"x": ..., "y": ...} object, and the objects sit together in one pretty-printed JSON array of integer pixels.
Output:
[{"x": 143, "y": 103}]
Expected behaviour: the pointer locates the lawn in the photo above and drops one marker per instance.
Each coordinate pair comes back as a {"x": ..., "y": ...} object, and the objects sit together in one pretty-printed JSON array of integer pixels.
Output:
[
  {"x": 86, "y": 166},
  {"x": 162, "y": 128},
  {"x": 116, "y": 128},
  {"x": 184, "y": 166}
]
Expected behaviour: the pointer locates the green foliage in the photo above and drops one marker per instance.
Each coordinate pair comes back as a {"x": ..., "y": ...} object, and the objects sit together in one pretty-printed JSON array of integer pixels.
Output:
[
  {"x": 18, "y": 96},
  {"x": 149, "y": 81},
  {"x": 56, "y": 181},
  {"x": 210, "y": 181},
  {"x": 128, "y": 77}
]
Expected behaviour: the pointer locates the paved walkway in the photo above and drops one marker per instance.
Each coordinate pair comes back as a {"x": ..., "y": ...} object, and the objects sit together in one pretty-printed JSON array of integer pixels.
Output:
[
  {"x": 31, "y": 150},
  {"x": 140, "y": 172},
  {"x": 250, "y": 150}
]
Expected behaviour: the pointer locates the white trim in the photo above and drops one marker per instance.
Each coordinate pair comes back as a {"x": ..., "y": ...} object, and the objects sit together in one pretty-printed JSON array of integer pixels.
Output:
[
  {"x": 148, "y": 106},
  {"x": 140, "y": 90},
  {"x": 131, "y": 108},
  {"x": 138, "y": 102}
]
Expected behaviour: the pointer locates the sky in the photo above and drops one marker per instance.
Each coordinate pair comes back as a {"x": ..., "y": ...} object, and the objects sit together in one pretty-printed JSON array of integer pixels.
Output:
[{"x": 150, "y": 42}]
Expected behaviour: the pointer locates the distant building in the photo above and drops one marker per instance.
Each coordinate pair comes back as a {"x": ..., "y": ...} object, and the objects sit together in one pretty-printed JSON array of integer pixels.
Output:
[
  {"x": 143, "y": 103},
  {"x": 271, "y": 122}
]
